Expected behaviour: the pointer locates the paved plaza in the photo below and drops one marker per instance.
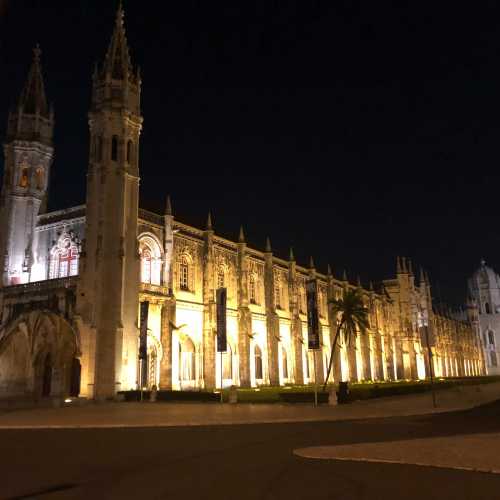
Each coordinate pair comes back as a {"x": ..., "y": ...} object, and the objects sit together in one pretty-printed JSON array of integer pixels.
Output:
[{"x": 389, "y": 448}]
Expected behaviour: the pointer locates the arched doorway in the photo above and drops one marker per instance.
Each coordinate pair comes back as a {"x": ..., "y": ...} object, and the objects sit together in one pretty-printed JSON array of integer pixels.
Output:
[
  {"x": 47, "y": 376},
  {"x": 258, "y": 363},
  {"x": 76, "y": 370},
  {"x": 187, "y": 362}
]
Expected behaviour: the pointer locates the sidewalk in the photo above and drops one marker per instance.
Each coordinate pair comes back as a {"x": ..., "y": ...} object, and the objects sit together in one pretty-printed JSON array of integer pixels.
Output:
[{"x": 112, "y": 415}]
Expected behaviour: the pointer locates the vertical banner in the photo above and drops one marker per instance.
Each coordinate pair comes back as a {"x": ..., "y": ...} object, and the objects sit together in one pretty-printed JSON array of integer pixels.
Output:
[
  {"x": 143, "y": 342},
  {"x": 221, "y": 297},
  {"x": 312, "y": 315}
]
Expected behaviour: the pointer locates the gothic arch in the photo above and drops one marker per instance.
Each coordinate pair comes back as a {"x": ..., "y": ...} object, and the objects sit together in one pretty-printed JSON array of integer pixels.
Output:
[{"x": 36, "y": 346}]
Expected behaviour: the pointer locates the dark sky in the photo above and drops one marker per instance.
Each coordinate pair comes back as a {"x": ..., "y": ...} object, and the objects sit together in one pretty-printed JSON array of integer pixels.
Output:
[{"x": 354, "y": 131}]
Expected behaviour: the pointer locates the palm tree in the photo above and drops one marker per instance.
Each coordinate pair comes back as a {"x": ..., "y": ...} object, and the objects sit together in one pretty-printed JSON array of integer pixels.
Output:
[{"x": 353, "y": 319}]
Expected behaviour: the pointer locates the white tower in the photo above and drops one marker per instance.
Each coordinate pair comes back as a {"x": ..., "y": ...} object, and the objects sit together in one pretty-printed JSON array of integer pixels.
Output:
[
  {"x": 28, "y": 152},
  {"x": 108, "y": 299}
]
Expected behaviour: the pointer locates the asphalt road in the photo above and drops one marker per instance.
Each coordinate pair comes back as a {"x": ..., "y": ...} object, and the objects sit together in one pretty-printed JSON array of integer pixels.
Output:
[{"x": 237, "y": 462}]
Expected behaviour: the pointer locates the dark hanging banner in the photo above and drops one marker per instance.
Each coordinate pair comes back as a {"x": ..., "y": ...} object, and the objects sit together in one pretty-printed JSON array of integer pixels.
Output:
[
  {"x": 143, "y": 342},
  {"x": 143, "y": 333},
  {"x": 312, "y": 314},
  {"x": 221, "y": 297}
]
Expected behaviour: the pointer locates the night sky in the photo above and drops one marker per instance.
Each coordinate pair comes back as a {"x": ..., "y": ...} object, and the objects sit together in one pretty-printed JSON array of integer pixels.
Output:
[{"x": 354, "y": 131}]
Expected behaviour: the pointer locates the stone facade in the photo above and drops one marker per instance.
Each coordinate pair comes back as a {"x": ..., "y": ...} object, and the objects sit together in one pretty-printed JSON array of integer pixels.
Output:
[
  {"x": 484, "y": 290},
  {"x": 73, "y": 280}
]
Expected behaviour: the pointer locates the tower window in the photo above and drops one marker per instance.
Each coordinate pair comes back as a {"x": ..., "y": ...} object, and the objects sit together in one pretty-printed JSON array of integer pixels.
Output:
[
  {"x": 39, "y": 178},
  {"x": 130, "y": 146},
  {"x": 151, "y": 262},
  {"x": 24, "y": 181},
  {"x": 114, "y": 148}
]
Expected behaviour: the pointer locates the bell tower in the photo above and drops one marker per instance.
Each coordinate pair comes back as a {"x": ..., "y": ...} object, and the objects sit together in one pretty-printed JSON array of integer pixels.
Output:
[
  {"x": 108, "y": 298},
  {"x": 28, "y": 152}
]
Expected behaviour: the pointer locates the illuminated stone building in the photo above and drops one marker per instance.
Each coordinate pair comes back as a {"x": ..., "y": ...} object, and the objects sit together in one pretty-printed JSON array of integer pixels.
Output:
[
  {"x": 484, "y": 289},
  {"x": 73, "y": 279}
]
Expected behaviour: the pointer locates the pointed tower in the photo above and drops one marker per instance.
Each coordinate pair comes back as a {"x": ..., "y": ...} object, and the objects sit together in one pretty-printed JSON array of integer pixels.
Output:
[
  {"x": 111, "y": 282},
  {"x": 28, "y": 151}
]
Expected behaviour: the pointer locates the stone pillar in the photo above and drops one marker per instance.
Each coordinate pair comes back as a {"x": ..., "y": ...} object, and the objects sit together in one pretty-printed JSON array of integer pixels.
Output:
[
  {"x": 364, "y": 341},
  {"x": 209, "y": 310},
  {"x": 244, "y": 315},
  {"x": 272, "y": 319},
  {"x": 332, "y": 322},
  {"x": 400, "y": 368},
  {"x": 167, "y": 320},
  {"x": 296, "y": 323}
]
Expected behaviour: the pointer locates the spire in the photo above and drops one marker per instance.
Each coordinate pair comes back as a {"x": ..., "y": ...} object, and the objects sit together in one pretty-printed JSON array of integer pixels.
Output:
[
  {"x": 32, "y": 99},
  {"x": 398, "y": 264},
  {"x": 329, "y": 270},
  {"x": 311, "y": 262},
  {"x": 403, "y": 265},
  {"x": 241, "y": 237},
  {"x": 168, "y": 206},
  {"x": 359, "y": 282},
  {"x": 268, "y": 245},
  {"x": 371, "y": 286},
  {"x": 422, "y": 275},
  {"x": 291, "y": 258},
  {"x": 344, "y": 275},
  {"x": 209, "y": 222},
  {"x": 410, "y": 267},
  {"x": 117, "y": 63}
]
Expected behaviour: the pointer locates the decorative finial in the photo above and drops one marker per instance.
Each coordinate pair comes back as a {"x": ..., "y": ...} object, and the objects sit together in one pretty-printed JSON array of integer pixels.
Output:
[
  {"x": 344, "y": 275},
  {"x": 209, "y": 222},
  {"x": 291, "y": 257},
  {"x": 329, "y": 270},
  {"x": 241, "y": 238},
  {"x": 371, "y": 286},
  {"x": 168, "y": 206},
  {"x": 483, "y": 262},
  {"x": 37, "y": 52},
  {"x": 268, "y": 245},
  {"x": 120, "y": 13},
  {"x": 403, "y": 264},
  {"x": 311, "y": 262},
  {"x": 410, "y": 267},
  {"x": 359, "y": 282},
  {"x": 398, "y": 264}
]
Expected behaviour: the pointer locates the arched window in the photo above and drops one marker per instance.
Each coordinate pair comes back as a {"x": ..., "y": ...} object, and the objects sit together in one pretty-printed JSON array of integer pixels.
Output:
[
  {"x": 277, "y": 292},
  {"x": 487, "y": 309},
  {"x": 252, "y": 289},
  {"x": 114, "y": 148},
  {"x": 258, "y": 363},
  {"x": 64, "y": 257},
  {"x": 491, "y": 337},
  {"x": 227, "y": 363},
  {"x": 146, "y": 266},
  {"x": 40, "y": 180},
  {"x": 184, "y": 273},
  {"x": 284, "y": 357},
  {"x": 130, "y": 146},
  {"x": 151, "y": 260},
  {"x": 187, "y": 368},
  {"x": 24, "y": 180},
  {"x": 221, "y": 277}
]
